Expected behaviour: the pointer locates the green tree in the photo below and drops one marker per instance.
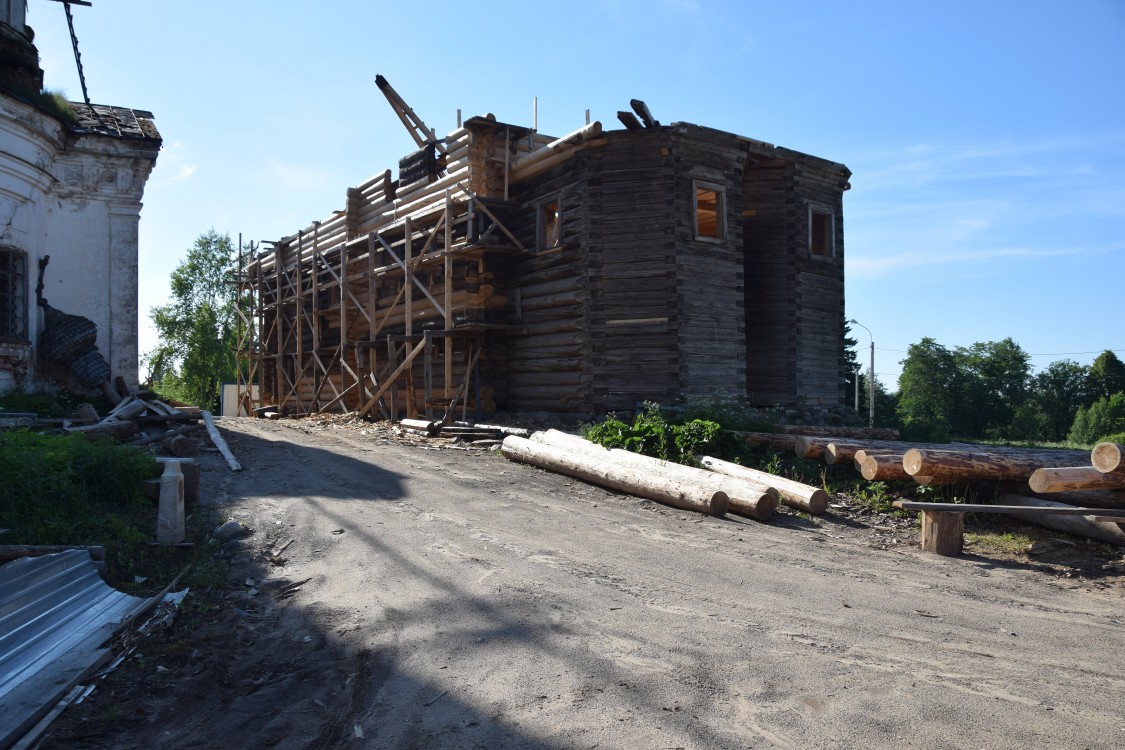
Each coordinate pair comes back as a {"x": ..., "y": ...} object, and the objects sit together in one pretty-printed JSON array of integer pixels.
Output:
[
  {"x": 1107, "y": 377},
  {"x": 197, "y": 327},
  {"x": 1056, "y": 395},
  {"x": 929, "y": 391},
  {"x": 995, "y": 377},
  {"x": 851, "y": 367},
  {"x": 1104, "y": 417}
]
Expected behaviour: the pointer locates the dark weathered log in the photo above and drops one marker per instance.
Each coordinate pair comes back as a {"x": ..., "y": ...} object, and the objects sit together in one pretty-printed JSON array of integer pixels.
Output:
[
  {"x": 959, "y": 465},
  {"x": 609, "y": 474},
  {"x": 1109, "y": 458},
  {"x": 179, "y": 446},
  {"x": 1073, "y": 478},
  {"x": 16, "y": 551},
  {"x": 119, "y": 430},
  {"x": 1081, "y": 498},
  {"x": 865, "y": 434},
  {"x": 86, "y": 412},
  {"x": 629, "y": 120},
  {"x": 1078, "y": 525},
  {"x": 775, "y": 441},
  {"x": 164, "y": 435},
  {"x": 126, "y": 410},
  {"x": 794, "y": 494},
  {"x": 750, "y": 499}
]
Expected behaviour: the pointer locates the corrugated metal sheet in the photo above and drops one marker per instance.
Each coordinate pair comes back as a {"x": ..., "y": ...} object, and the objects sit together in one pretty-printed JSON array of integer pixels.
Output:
[{"x": 55, "y": 611}]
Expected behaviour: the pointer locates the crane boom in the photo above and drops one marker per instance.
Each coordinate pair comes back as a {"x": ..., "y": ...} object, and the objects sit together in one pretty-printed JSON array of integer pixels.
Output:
[{"x": 422, "y": 135}]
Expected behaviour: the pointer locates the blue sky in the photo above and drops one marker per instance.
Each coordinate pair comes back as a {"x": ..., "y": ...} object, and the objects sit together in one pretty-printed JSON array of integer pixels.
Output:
[{"x": 987, "y": 139}]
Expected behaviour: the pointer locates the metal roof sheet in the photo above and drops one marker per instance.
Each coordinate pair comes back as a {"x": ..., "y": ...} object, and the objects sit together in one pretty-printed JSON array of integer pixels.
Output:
[{"x": 55, "y": 612}]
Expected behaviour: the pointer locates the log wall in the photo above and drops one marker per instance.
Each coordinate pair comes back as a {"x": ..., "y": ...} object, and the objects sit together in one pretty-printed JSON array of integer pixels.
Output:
[{"x": 629, "y": 305}]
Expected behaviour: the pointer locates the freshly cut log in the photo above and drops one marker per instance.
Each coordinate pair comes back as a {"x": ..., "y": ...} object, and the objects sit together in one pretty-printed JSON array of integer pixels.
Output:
[
  {"x": 746, "y": 498},
  {"x": 769, "y": 440},
  {"x": 1074, "y": 478},
  {"x": 841, "y": 451},
  {"x": 1109, "y": 458},
  {"x": 794, "y": 494},
  {"x": 1077, "y": 525},
  {"x": 884, "y": 467},
  {"x": 952, "y": 465},
  {"x": 608, "y": 474}
]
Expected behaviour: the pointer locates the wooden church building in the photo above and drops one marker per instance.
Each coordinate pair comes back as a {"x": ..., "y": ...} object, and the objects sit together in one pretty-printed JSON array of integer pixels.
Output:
[{"x": 504, "y": 269}]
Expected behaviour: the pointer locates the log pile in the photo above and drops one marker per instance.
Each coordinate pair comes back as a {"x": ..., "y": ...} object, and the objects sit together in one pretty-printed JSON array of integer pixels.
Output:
[{"x": 743, "y": 491}]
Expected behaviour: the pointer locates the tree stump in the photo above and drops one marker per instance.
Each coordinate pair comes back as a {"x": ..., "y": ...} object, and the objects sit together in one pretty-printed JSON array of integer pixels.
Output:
[{"x": 943, "y": 532}]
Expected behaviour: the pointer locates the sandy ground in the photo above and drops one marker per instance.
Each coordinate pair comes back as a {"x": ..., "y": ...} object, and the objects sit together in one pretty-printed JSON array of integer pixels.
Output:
[{"x": 451, "y": 599}]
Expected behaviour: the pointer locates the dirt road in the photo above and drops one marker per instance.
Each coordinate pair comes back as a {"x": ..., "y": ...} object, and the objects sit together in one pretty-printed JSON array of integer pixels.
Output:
[{"x": 456, "y": 600}]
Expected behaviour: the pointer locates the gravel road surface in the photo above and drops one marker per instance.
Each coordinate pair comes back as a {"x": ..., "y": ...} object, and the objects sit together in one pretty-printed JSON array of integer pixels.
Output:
[{"x": 452, "y": 599}]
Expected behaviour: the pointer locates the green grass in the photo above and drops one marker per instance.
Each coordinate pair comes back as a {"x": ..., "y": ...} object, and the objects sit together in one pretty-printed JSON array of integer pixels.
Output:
[
  {"x": 1010, "y": 542},
  {"x": 69, "y": 490}
]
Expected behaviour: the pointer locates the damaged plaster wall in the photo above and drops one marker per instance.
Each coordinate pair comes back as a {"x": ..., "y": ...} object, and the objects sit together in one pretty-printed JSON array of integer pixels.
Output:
[{"x": 74, "y": 192}]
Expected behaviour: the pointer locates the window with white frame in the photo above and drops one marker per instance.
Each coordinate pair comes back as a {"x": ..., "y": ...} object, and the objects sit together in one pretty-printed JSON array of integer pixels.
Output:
[
  {"x": 13, "y": 294},
  {"x": 709, "y": 216}
]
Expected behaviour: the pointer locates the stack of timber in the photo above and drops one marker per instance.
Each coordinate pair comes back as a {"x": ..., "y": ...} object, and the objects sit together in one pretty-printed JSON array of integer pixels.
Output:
[
  {"x": 139, "y": 419},
  {"x": 1100, "y": 484},
  {"x": 794, "y": 494},
  {"x": 679, "y": 493},
  {"x": 468, "y": 432},
  {"x": 949, "y": 465},
  {"x": 748, "y": 498}
]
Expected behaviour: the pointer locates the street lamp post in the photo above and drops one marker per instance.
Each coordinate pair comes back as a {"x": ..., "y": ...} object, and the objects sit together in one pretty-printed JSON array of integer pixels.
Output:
[{"x": 870, "y": 379}]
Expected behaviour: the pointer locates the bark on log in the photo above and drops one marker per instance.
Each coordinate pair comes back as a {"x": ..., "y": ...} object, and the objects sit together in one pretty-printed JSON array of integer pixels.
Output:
[
  {"x": 1109, "y": 458},
  {"x": 749, "y": 499},
  {"x": 952, "y": 466},
  {"x": 221, "y": 444},
  {"x": 608, "y": 474},
  {"x": 1073, "y": 478},
  {"x": 794, "y": 494},
  {"x": 1076, "y": 525}
]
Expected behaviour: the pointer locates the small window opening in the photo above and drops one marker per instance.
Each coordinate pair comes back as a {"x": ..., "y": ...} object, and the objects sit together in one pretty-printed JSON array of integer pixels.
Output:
[
  {"x": 550, "y": 225},
  {"x": 820, "y": 233},
  {"x": 13, "y": 294},
  {"x": 708, "y": 213}
]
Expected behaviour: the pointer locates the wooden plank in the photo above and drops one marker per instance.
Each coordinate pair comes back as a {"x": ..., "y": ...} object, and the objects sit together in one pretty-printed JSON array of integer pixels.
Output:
[{"x": 1008, "y": 509}]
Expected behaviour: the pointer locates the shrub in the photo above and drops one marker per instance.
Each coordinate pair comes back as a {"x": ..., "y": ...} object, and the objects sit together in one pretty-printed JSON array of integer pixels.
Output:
[
  {"x": 1105, "y": 416},
  {"x": 653, "y": 435}
]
